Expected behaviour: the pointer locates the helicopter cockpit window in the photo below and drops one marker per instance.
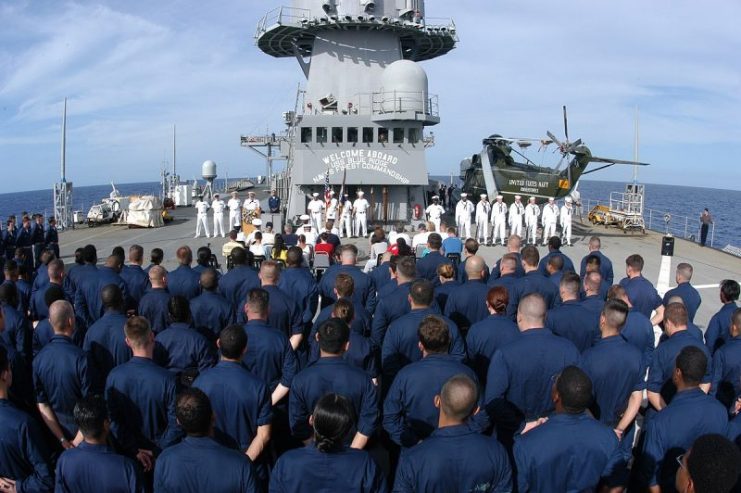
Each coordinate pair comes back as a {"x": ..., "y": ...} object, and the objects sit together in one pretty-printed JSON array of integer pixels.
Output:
[
  {"x": 383, "y": 135},
  {"x": 398, "y": 136},
  {"x": 321, "y": 134},
  {"x": 306, "y": 135},
  {"x": 413, "y": 136},
  {"x": 367, "y": 135},
  {"x": 352, "y": 134},
  {"x": 336, "y": 135}
]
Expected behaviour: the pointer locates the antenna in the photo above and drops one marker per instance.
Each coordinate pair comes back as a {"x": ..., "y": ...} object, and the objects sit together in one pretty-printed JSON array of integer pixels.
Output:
[
  {"x": 64, "y": 142},
  {"x": 636, "y": 141},
  {"x": 173, "y": 151}
]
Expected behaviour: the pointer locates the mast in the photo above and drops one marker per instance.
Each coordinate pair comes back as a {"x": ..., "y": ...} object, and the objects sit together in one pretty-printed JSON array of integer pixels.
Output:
[
  {"x": 636, "y": 141},
  {"x": 64, "y": 142},
  {"x": 174, "y": 169}
]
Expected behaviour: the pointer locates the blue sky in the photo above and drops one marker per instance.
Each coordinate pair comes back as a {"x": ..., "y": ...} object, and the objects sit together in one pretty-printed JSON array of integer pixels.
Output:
[{"x": 133, "y": 69}]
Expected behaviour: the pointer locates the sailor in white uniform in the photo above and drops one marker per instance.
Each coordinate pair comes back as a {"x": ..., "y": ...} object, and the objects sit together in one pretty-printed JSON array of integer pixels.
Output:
[
  {"x": 360, "y": 209},
  {"x": 234, "y": 205},
  {"x": 218, "y": 207},
  {"x": 202, "y": 218},
  {"x": 566, "y": 212},
  {"x": 483, "y": 208},
  {"x": 315, "y": 209},
  {"x": 532, "y": 213},
  {"x": 251, "y": 204},
  {"x": 257, "y": 223},
  {"x": 516, "y": 211},
  {"x": 307, "y": 229},
  {"x": 499, "y": 220},
  {"x": 332, "y": 208},
  {"x": 346, "y": 217},
  {"x": 463, "y": 212},
  {"x": 434, "y": 212},
  {"x": 549, "y": 218}
]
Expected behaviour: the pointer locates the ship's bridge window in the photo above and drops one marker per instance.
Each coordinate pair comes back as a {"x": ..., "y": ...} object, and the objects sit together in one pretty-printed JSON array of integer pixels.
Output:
[
  {"x": 352, "y": 134},
  {"x": 413, "y": 136},
  {"x": 321, "y": 134},
  {"x": 398, "y": 136},
  {"x": 306, "y": 134},
  {"x": 337, "y": 135},
  {"x": 383, "y": 135},
  {"x": 367, "y": 135}
]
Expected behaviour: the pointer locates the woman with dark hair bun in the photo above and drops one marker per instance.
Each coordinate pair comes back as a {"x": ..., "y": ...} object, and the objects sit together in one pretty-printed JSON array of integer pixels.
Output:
[{"x": 327, "y": 464}]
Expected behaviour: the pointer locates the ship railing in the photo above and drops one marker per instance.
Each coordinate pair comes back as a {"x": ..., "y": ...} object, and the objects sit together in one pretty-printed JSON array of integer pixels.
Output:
[
  {"x": 404, "y": 101},
  {"x": 679, "y": 226},
  {"x": 282, "y": 16}
]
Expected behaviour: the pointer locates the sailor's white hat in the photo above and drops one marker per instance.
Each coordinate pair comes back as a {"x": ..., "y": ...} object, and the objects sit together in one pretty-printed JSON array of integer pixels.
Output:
[
  {"x": 435, "y": 197},
  {"x": 464, "y": 194},
  {"x": 551, "y": 199},
  {"x": 251, "y": 192},
  {"x": 315, "y": 194},
  {"x": 500, "y": 197},
  {"x": 517, "y": 197},
  {"x": 257, "y": 222},
  {"x": 568, "y": 200},
  {"x": 304, "y": 217},
  {"x": 331, "y": 192},
  {"x": 483, "y": 195},
  {"x": 532, "y": 199},
  {"x": 360, "y": 192}
]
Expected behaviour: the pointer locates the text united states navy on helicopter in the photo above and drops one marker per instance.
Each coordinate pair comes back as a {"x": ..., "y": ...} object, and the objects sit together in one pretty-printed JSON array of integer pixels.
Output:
[{"x": 529, "y": 186}]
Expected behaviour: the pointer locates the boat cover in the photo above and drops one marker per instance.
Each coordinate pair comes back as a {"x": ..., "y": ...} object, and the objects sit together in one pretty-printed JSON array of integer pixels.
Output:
[{"x": 145, "y": 212}]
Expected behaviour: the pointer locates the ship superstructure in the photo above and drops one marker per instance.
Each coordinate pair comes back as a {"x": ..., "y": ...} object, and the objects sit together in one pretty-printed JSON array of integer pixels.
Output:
[{"x": 360, "y": 119}]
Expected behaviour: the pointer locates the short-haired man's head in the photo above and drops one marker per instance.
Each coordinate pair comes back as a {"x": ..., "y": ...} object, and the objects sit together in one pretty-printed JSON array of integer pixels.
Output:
[
  {"x": 452, "y": 231},
  {"x": 532, "y": 310},
  {"x": 434, "y": 334},
  {"x": 498, "y": 299},
  {"x": 593, "y": 281},
  {"x": 406, "y": 268},
  {"x": 344, "y": 310},
  {"x": 62, "y": 317},
  {"x": 136, "y": 254},
  {"x": 178, "y": 309},
  {"x": 446, "y": 271},
  {"x": 119, "y": 253},
  {"x": 574, "y": 389},
  {"x": 333, "y": 335},
  {"x": 713, "y": 464},
  {"x": 294, "y": 256},
  {"x": 422, "y": 292},
  {"x": 112, "y": 297},
  {"x": 53, "y": 293},
  {"x": 617, "y": 292},
  {"x": 203, "y": 255},
  {"x": 530, "y": 256},
  {"x": 184, "y": 255},
  {"x": 269, "y": 271},
  {"x": 458, "y": 397},
  {"x": 348, "y": 254},
  {"x": 676, "y": 314},
  {"x": 555, "y": 262},
  {"x": 46, "y": 257},
  {"x": 570, "y": 284},
  {"x": 692, "y": 364},
  {"x": 471, "y": 246},
  {"x": 333, "y": 418},
  {"x": 232, "y": 341},
  {"x": 90, "y": 254},
  {"x": 684, "y": 272},
  {"x": 474, "y": 267},
  {"x": 435, "y": 241},
  {"x": 233, "y": 235},
  {"x": 91, "y": 415},
  {"x": 157, "y": 276},
  {"x": 634, "y": 262},
  {"x": 209, "y": 279},
  {"x": 508, "y": 263},
  {"x": 258, "y": 301},
  {"x": 193, "y": 412},
  {"x": 239, "y": 256},
  {"x": 138, "y": 332},
  {"x": 594, "y": 263},
  {"x": 344, "y": 284},
  {"x": 514, "y": 242},
  {"x": 729, "y": 290},
  {"x": 157, "y": 255},
  {"x": 55, "y": 270},
  {"x": 594, "y": 243},
  {"x": 615, "y": 313},
  {"x": 554, "y": 243}
]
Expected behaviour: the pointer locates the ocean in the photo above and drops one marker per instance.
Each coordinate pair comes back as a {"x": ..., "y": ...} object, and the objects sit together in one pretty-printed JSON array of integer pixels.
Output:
[{"x": 683, "y": 203}]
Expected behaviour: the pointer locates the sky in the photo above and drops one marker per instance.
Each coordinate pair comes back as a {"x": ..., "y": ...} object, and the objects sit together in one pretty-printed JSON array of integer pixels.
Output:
[{"x": 131, "y": 70}]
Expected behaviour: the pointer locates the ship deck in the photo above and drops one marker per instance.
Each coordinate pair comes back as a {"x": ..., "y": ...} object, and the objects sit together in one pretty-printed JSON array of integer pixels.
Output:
[{"x": 710, "y": 266}]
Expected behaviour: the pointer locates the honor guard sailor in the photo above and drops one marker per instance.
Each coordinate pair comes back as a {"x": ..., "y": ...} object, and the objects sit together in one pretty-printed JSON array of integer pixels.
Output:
[
  {"x": 360, "y": 208},
  {"x": 332, "y": 207},
  {"x": 218, "y": 207},
  {"x": 463, "y": 211},
  {"x": 315, "y": 208},
  {"x": 346, "y": 226},
  {"x": 549, "y": 220},
  {"x": 566, "y": 212},
  {"x": 516, "y": 211},
  {"x": 532, "y": 212},
  {"x": 499, "y": 220},
  {"x": 234, "y": 205},
  {"x": 434, "y": 212},
  {"x": 274, "y": 202},
  {"x": 202, "y": 219},
  {"x": 483, "y": 208}
]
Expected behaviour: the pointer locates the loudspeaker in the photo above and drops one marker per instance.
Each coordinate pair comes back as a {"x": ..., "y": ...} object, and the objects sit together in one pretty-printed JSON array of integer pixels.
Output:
[{"x": 667, "y": 246}]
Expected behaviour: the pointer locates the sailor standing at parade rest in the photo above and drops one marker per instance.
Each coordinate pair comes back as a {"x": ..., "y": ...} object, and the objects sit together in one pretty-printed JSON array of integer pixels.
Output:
[
  {"x": 566, "y": 212},
  {"x": 315, "y": 209},
  {"x": 202, "y": 218},
  {"x": 499, "y": 220},
  {"x": 549, "y": 219},
  {"x": 483, "y": 208},
  {"x": 359, "y": 208},
  {"x": 463, "y": 211},
  {"x": 434, "y": 212},
  {"x": 274, "y": 202},
  {"x": 218, "y": 206},
  {"x": 346, "y": 217},
  {"x": 234, "y": 216},
  {"x": 532, "y": 211},
  {"x": 516, "y": 211},
  {"x": 332, "y": 207}
]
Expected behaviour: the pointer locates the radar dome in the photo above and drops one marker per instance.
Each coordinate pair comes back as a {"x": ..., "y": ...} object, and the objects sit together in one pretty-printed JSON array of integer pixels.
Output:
[
  {"x": 405, "y": 80},
  {"x": 208, "y": 170}
]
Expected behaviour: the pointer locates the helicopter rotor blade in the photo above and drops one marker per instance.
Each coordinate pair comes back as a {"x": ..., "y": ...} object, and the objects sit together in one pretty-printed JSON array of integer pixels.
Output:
[
  {"x": 595, "y": 159},
  {"x": 565, "y": 125},
  {"x": 554, "y": 139}
]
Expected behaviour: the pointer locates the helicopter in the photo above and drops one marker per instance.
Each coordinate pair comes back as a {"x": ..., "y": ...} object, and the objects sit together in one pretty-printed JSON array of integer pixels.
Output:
[{"x": 496, "y": 171}]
